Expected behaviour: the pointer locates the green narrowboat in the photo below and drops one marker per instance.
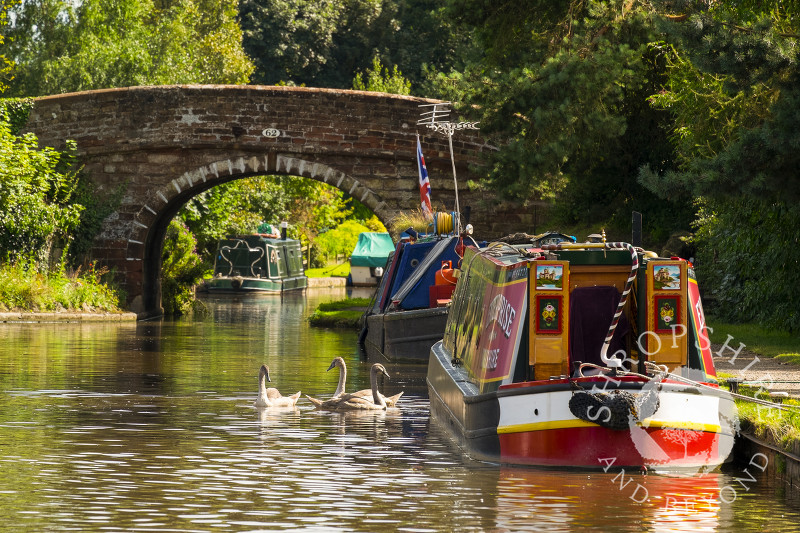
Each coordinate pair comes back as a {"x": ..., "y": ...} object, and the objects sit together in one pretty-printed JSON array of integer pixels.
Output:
[{"x": 257, "y": 264}]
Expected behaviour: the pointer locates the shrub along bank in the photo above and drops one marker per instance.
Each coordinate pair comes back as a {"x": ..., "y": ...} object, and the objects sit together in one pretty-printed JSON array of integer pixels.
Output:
[
  {"x": 23, "y": 288},
  {"x": 45, "y": 208}
]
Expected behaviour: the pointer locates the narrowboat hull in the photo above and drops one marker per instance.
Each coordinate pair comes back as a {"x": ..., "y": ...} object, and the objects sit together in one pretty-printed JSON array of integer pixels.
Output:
[
  {"x": 404, "y": 334},
  {"x": 406, "y": 317},
  {"x": 531, "y": 423}
]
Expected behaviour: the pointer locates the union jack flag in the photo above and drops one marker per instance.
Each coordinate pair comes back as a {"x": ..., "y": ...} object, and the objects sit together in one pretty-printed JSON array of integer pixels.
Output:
[{"x": 424, "y": 183}]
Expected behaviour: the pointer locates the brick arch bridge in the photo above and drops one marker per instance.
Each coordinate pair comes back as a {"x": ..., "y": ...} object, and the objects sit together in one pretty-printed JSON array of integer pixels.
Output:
[{"x": 164, "y": 145}]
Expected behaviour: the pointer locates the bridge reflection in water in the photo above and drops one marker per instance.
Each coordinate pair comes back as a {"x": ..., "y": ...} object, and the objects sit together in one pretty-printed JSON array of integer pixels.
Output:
[{"x": 151, "y": 426}]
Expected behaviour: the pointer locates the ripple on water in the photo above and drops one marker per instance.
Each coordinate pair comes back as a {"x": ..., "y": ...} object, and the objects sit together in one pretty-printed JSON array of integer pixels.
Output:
[{"x": 152, "y": 428}]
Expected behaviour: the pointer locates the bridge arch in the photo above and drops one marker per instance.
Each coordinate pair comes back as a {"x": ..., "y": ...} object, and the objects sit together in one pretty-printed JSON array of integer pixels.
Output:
[
  {"x": 163, "y": 145},
  {"x": 151, "y": 222}
]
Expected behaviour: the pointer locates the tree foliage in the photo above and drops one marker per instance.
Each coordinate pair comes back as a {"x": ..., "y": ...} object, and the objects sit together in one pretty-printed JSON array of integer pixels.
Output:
[
  {"x": 734, "y": 93},
  {"x": 324, "y": 43},
  {"x": 379, "y": 79},
  {"x": 341, "y": 240},
  {"x": 748, "y": 260},
  {"x": 314, "y": 207},
  {"x": 36, "y": 190},
  {"x": 554, "y": 83},
  {"x": 561, "y": 88},
  {"x": 290, "y": 40},
  {"x": 181, "y": 269},
  {"x": 734, "y": 96},
  {"x": 6, "y": 65},
  {"x": 62, "y": 46}
]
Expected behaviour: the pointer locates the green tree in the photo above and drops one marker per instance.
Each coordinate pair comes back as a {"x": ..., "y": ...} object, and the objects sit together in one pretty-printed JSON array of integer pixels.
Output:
[
  {"x": 36, "y": 208},
  {"x": 561, "y": 88},
  {"x": 741, "y": 104},
  {"x": 341, "y": 240},
  {"x": 748, "y": 260},
  {"x": 324, "y": 43},
  {"x": 734, "y": 96},
  {"x": 379, "y": 79},
  {"x": 60, "y": 46},
  {"x": 181, "y": 269},
  {"x": 290, "y": 40},
  {"x": 314, "y": 207},
  {"x": 6, "y": 65}
]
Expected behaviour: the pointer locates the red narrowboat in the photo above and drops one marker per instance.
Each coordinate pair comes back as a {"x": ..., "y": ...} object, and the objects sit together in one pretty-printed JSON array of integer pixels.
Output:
[{"x": 587, "y": 355}]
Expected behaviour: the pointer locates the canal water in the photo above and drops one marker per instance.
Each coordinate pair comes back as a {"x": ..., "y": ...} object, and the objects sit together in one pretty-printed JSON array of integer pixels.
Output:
[{"x": 151, "y": 426}]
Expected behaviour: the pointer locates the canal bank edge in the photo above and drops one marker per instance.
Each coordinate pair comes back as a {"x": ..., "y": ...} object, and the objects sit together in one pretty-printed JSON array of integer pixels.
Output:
[
  {"x": 781, "y": 462},
  {"x": 65, "y": 316},
  {"x": 327, "y": 282},
  {"x": 773, "y": 462}
]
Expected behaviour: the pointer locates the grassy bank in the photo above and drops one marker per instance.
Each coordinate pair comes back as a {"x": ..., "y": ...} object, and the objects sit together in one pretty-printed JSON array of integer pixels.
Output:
[
  {"x": 785, "y": 346},
  {"x": 339, "y": 271},
  {"x": 780, "y": 427},
  {"x": 25, "y": 289},
  {"x": 777, "y": 426},
  {"x": 339, "y": 314}
]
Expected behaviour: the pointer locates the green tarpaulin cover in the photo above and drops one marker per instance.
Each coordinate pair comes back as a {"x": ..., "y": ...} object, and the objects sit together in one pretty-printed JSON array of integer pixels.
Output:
[{"x": 372, "y": 250}]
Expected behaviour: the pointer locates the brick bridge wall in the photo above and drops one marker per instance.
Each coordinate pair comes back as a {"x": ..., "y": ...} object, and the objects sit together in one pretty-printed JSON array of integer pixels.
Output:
[{"x": 166, "y": 144}]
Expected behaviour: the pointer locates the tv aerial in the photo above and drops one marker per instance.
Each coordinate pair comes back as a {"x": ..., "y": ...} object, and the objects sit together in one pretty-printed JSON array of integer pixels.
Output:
[{"x": 436, "y": 117}]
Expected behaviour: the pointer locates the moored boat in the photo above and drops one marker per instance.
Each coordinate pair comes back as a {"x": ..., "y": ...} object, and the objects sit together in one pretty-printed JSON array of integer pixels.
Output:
[
  {"x": 410, "y": 307},
  {"x": 409, "y": 312},
  {"x": 585, "y": 355},
  {"x": 369, "y": 258},
  {"x": 258, "y": 263}
]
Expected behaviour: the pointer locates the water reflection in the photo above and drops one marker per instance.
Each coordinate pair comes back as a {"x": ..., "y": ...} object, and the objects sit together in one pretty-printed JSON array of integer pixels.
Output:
[
  {"x": 151, "y": 427},
  {"x": 664, "y": 503}
]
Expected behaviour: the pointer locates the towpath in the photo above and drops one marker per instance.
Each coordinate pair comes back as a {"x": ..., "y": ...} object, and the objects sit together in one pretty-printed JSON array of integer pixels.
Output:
[{"x": 757, "y": 370}]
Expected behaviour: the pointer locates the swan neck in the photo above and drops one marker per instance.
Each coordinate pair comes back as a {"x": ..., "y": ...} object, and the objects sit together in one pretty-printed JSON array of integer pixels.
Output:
[
  {"x": 377, "y": 399},
  {"x": 262, "y": 386},
  {"x": 342, "y": 379}
]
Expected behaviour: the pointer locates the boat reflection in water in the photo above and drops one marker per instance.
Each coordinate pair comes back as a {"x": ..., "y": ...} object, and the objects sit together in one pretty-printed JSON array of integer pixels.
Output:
[{"x": 558, "y": 502}]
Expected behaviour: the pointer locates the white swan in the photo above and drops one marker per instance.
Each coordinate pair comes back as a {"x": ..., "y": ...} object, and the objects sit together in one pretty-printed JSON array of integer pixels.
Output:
[
  {"x": 391, "y": 401},
  {"x": 346, "y": 401},
  {"x": 271, "y": 397}
]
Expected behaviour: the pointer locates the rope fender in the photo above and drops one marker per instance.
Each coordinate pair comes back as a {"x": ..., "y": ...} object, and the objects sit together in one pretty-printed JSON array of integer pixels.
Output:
[{"x": 615, "y": 410}]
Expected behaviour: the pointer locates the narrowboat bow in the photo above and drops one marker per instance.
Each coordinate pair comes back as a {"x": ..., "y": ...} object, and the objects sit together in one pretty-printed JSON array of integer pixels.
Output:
[{"x": 580, "y": 355}]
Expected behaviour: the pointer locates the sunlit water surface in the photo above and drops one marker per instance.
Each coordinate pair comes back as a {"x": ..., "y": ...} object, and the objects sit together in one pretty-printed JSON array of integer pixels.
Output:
[{"x": 151, "y": 427}]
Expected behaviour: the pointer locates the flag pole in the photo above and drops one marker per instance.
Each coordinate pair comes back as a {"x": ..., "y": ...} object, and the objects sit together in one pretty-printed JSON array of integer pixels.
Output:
[
  {"x": 455, "y": 181},
  {"x": 437, "y": 120}
]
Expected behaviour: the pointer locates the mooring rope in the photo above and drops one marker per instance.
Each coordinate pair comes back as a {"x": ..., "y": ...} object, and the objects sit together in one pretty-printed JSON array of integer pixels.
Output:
[
  {"x": 790, "y": 408},
  {"x": 614, "y": 362},
  {"x": 661, "y": 373}
]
